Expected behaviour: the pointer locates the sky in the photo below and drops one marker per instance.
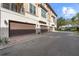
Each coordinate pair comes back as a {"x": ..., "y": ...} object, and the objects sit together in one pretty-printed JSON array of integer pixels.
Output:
[{"x": 66, "y": 10}]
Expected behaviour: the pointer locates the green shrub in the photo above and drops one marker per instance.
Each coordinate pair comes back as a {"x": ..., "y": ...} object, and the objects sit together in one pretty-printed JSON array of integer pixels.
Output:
[
  {"x": 0, "y": 40},
  {"x": 4, "y": 40}
]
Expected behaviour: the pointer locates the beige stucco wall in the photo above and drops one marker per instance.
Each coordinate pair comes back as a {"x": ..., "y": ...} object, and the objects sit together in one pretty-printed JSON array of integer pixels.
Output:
[{"x": 29, "y": 18}]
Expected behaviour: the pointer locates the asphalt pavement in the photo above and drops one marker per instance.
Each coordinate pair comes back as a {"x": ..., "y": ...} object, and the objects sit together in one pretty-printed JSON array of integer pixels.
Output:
[{"x": 48, "y": 44}]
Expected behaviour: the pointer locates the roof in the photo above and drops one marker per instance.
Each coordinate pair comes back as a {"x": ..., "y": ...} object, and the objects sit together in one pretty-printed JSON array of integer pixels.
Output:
[{"x": 51, "y": 9}]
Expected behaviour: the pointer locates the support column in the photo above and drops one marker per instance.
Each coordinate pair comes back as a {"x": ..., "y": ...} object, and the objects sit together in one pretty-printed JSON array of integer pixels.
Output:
[
  {"x": 4, "y": 32},
  {"x": 4, "y": 28},
  {"x": 38, "y": 30}
]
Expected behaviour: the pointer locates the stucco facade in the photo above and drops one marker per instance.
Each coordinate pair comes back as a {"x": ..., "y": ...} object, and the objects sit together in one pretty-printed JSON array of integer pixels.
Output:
[{"x": 7, "y": 15}]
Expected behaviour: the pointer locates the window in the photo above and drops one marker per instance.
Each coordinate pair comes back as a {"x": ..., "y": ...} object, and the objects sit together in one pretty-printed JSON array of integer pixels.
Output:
[
  {"x": 43, "y": 13},
  {"x": 6, "y": 5},
  {"x": 13, "y": 7},
  {"x": 17, "y": 7},
  {"x": 32, "y": 9}
]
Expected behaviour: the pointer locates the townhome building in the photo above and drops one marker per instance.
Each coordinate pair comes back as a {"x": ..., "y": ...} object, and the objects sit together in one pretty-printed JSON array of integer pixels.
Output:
[{"x": 26, "y": 18}]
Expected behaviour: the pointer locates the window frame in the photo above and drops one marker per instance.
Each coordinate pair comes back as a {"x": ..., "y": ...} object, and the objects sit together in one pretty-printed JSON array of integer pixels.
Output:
[
  {"x": 13, "y": 7},
  {"x": 43, "y": 13},
  {"x": 32, "y": 9},
  {"x": 3, "y": 4}
]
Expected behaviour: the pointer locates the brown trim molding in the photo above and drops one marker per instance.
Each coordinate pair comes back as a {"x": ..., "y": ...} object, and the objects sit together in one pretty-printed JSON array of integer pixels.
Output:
[{"x": 9, "y": 29}]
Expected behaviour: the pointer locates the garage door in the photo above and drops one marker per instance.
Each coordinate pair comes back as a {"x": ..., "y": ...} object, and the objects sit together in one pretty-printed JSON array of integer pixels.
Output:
[
  {"x": 18, "y": 28},
  {"x": 44, "y": 28}
]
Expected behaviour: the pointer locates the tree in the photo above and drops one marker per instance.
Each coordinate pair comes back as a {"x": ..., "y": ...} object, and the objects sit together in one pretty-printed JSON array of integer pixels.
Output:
[
  {"x": 75, "y": 19},
  {"x": 60, "y": 21},
  {"x": 77, "y": 15}
]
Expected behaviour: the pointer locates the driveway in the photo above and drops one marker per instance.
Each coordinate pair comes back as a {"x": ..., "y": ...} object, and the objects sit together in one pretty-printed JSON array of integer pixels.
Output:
[{"x": 48, "y": 44}]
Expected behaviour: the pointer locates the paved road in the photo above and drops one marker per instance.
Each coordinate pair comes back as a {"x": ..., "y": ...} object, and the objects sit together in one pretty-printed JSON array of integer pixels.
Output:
[{"x": 49, "y": 44}]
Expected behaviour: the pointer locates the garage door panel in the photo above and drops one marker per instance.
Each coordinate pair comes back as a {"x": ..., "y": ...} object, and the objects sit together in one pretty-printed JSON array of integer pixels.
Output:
[
  {"x": 44, "y": 29},
  {"x": 17, "y": 28},
  {"x": 21, "y": 26},
  {"x": 21, "y": 32}
]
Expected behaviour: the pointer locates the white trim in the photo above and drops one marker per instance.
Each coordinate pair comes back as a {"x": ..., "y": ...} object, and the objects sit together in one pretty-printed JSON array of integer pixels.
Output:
[{"x": 15, "y": 13}]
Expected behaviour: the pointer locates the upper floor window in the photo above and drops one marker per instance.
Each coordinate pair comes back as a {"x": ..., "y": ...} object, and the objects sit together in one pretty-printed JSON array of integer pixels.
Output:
[
  {"x": 43, "y": 13},
  {"x": 32, "y": 9},
  {"x": 17, "y": 7},
  {"x": 13, "y": 7},
  {"x": 6, "y": 5}
]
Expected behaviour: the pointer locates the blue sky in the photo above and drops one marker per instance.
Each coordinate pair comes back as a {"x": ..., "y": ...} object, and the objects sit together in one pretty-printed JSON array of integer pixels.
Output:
[{"x": 66, "y": 10}]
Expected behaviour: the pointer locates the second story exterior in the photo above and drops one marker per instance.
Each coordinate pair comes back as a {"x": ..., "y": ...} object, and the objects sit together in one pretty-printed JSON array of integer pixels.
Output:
[
  {"x": 37, "y": 11},
  {"x": 28, "y": 17}
]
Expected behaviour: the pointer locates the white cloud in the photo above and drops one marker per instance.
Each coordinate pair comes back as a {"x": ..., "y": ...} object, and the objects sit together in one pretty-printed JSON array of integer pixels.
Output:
[{"x": 68, "y": 11}]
